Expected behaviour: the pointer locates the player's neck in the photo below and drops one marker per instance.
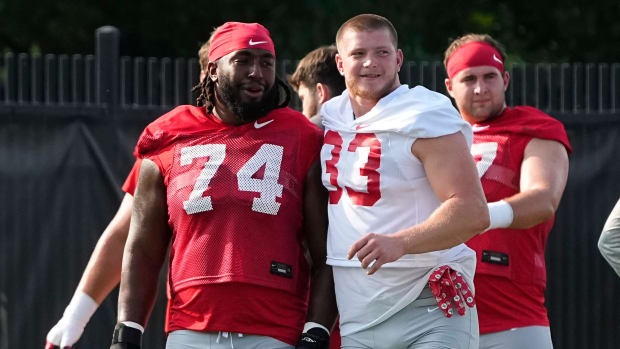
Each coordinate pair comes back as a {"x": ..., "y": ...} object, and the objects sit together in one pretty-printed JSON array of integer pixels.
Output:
[
  {"x": 362, "y": 105},
  {"x": 221, "y": 111},
  {"x": 472, "y": 120}
]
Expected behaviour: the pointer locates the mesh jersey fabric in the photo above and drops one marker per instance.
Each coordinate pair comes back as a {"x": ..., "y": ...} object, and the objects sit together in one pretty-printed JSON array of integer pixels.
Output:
[
  {"x": 234, "y": 196},
  {"x": 131, "y": 181},
  {"x": 511, "y": 295}
]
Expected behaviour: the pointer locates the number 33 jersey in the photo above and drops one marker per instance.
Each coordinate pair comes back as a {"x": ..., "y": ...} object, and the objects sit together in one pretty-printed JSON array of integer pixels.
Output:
[
  {"x": 235, "y": 196},
  {"x": 376, "y": 185}
]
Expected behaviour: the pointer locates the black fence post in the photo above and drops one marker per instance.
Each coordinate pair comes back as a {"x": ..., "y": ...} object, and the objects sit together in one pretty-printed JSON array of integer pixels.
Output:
[{"x": 107, "y": 41}]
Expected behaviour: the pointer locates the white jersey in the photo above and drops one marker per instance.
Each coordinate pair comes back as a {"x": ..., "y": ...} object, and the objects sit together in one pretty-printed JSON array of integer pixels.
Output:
[{"x": 377, "y": 185}]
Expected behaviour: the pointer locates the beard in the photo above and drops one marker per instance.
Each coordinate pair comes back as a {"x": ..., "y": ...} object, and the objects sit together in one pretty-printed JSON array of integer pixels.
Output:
[
  {"x": 246, "y": 112},
  {"x": 490, "y": 112},
  {"x": 375, "y": 94}
]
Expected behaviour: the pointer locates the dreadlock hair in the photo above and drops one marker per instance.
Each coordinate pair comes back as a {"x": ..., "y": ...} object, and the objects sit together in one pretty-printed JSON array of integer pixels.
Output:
[
  {"x": 207, "y": 94},
  {"x": 205, "y": 87}
]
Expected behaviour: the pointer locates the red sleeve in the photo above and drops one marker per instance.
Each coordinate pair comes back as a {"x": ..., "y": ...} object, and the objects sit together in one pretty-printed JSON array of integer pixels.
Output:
[
  {"x": 132, "y": 179},
  {"x": 530, "y": 122},
  {"x": 312, "y": 142},
  {"x": 156, "y": 142},
  {"x": 540, "y": 125},
  {"x": 164, "y": 131},
  {"x": 164, "y": 160},
  {"x": 313, "y": 145}
]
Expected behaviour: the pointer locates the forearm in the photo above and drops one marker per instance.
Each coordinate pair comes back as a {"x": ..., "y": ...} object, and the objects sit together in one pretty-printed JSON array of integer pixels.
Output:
[
  {"x": 455, "y": 221},
  {"x": 103, "y": 271},
  {"x": 531, "y": 207},
  {"x": 139, "y": 281},
  {"x": 322, "y": 307}
]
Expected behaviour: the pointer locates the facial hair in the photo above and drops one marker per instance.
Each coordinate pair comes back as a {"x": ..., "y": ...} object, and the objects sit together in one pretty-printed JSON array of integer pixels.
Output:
[
  {"x": 373, "y": 95},
  {"x": 246, "y": 112}
]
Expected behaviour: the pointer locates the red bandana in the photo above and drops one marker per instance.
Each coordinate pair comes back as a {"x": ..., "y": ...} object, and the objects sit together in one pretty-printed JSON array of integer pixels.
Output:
[
  {"x": 233, "y": 36},
  {"x": 474, "y": 54}
]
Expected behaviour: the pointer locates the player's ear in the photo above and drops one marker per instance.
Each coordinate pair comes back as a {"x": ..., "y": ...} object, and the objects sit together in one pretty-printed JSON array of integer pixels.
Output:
[
  {"x": 448, "y": 83},
  {"x": 323, "y": 92},
  {"x": 339, "y": 64},
  {"x": 506, "y": 77},
  {"x": 212, "y": 71}
]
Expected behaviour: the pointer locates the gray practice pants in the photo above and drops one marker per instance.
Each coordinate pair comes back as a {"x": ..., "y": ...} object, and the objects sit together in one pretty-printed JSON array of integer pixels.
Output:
[
  {"x": 184, "y": 339},
  {"x": 530, "y": 337},
  {"x": 420, "y": 325}
]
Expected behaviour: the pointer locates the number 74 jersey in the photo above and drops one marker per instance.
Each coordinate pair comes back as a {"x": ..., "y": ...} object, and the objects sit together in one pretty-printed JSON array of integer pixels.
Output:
[
  {"x": 376, "y": 185},
  {"x": 235, "y": 196}
]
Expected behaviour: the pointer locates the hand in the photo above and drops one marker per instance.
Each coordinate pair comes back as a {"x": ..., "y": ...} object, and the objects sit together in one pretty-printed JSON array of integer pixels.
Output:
[
  {"x": 64, "y": 334},
  {"x": 378, "y": 248},
  {"x": 71, "y": 326},
  {"x": 315, "y": 338}
]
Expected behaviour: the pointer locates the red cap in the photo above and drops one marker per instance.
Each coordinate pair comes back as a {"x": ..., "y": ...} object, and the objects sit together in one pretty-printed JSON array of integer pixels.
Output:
[
  {"x": 474, "y": 54},
  {"x": 233, "y": 36}
]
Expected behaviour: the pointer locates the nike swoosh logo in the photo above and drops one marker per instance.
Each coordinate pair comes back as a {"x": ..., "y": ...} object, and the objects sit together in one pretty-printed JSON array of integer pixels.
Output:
[
  {"x": 360, "y": 126},
  {"x": 252, "y": 43},
  {"x": 430, "y": 310},
  {"x": 479, "y": 128},
  {"x": 497, "y": 59},
  {"x": 263, "y": 124}
]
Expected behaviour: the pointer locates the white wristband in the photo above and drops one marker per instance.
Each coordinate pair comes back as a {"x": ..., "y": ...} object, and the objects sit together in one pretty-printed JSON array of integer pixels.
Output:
[
  {"x": 135, "y": 325},
  {"x": 81, "y": 308},
  {"x": 309, "y": 325},
  {"x": 500, "y": 214}
]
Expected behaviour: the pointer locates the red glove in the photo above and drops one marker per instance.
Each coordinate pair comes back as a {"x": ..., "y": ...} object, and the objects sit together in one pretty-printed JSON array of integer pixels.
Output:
[{"x": 450, "y": 290}]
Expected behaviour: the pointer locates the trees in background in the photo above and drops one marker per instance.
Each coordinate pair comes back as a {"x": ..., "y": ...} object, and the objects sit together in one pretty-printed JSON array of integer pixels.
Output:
[{"x": 545, "y": 30}]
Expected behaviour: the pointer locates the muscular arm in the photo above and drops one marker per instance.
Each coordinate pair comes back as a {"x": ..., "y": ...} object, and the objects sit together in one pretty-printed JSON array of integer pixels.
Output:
[
  {"x": 543, "y": 178},
  {"x": 609, "y": 242},
  {"x": 322, "y": 308},
  {"x": 103, "y": 271},
  {"x": 452, "y": 174},
  {"x": 146, "y": 247},
  {"x": 462, "y": 214}
]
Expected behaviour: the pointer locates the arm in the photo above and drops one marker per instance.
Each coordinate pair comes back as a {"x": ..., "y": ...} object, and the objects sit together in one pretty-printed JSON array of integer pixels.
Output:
[
  {"x": 322, "y": 306},
  {"x": 101, "y": 275},
  {"x": 463, "y": 212},
  {"x": 544, "y": 172},
  {"x": 609, "y": 242},
  {"x": 146, "y": 247},
  {"x": 103, "y": 271}
]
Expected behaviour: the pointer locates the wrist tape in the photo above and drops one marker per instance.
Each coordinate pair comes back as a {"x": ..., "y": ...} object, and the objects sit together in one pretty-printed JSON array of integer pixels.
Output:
[{"x": 500, "y": 215}]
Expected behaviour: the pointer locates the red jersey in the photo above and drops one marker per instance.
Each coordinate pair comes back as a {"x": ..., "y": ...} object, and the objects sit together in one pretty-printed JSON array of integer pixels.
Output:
[
  {"x": 235, "y": 208},
  {"x": 131, "y": 182},
  {"x": 510, "y": 272}
]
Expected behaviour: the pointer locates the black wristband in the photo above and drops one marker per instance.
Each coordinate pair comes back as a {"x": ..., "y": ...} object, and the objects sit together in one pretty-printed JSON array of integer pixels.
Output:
[
  {"x": 129, "y": 337},
  {"x": 315, "y": 338}
]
